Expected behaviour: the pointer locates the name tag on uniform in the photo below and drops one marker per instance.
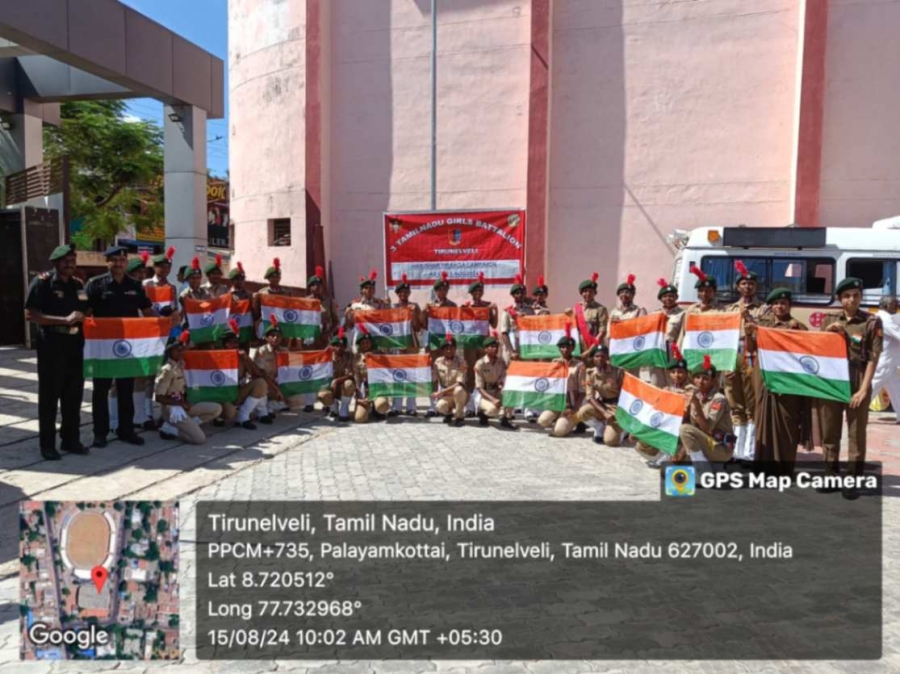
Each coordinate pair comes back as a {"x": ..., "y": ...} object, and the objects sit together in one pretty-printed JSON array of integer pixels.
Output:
[{"x": 82, "y": 295}]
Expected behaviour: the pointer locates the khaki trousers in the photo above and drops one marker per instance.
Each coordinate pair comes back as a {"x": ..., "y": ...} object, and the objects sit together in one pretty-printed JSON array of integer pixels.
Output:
[
  {"x": 695, "y": 440},
  {"x": 327, "y": 396},
  {"x": 256, "y": 388},
  {"x": 612, "y": 434},
  {"x": 493, "y": 410},
  {"x": 831, "y": 416},
  {"x": 454, "y": 404},
  {"x": 740, "y": 394},
  {"x": 189, "y": 430},
  {"x": 363, "y": 409}
]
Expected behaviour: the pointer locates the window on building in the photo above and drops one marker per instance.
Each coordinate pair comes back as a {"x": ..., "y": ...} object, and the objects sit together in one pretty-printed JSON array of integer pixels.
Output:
[
  {"x": 280, "y": 232},
  {"x": 809, "y": 279},
  {"x": 878, "y": 276}
]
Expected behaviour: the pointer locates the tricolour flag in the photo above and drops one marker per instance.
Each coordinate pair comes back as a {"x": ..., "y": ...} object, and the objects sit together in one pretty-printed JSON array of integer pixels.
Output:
[
  {"x": 207, "y": 319},
  {"x": 298, "y": 317},
  {"x": 538, "y": 386},
  {"x": 801, "y": 363},
  {"x": 650, "y": 414},
  {"x": 211, "y": 376},
  {"x": 304, "y": 371},
  {"x": 469, "y": 325},
  {"x": 240, "y": 311},
  {"x": 389, "y": 328},
  {"x": 161, "y": 296},
  {"x": 399, "y": 376},
  {"x": 538, "y": 335},
  {"x": 121, "y": 348},
  {"x": 638, "y": 342},
  {"x": 715, "y": 333}
]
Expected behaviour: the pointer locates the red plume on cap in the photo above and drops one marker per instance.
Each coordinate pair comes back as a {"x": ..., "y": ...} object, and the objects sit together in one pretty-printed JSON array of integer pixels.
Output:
[
  {"x": 444, "y": 276},
  {"x": 320, "y": 271},
  {"x": 362, "y": 328},
  {"x": 402, "y": 278},
  {"x": 662, "y": 283},
  {"x": 630, "y": 279},
  {"x": 144, "y": 257},
  {"x": 481, "y": 277},
  {"x": 184, "y": 337},
  {"x": 170, "y": 253},
  {"x": 707, "y": 363},
  {"x": 218, "y": 260},
  {"x": 541, "y": 281},
  {"x": 362, "y": 279},
  {"x": 741, "y": 268},
  {"x": 240, "y": 267},
  {"x": 195, "y": 263},
  {"x": 233, "y": 324},
  {"x": 273, "y": 321},
  {"x": 676, "y": 352},
  {"x": 448, "y": 337},
  {"x": 518, "y": 279},
  {"x": 373, "y": 275},
  {"x": 495, "y": 334},
  {"x": 340, "y": 332},
  {"x": 696, "y": 271},
  {"x": 276, "y": 263}
]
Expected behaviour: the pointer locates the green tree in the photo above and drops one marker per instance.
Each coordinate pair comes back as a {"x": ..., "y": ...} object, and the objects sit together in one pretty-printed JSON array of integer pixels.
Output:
[
  {"x": 162, "y": 527},
  {"x": 116, "y": 168},
  {"x": 66, "y": 591},
  {"x": 28, "y": 561}
]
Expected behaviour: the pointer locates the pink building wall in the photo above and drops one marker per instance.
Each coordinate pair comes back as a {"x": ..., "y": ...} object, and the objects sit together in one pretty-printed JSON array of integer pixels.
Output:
[{"x": 661, "y": 115}]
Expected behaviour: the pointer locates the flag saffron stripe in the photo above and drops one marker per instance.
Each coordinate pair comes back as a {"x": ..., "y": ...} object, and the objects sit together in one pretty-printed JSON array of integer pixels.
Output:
[
  {"x": 126, "y": 328},
  {"x": 802, "y": 342},
  {"x": 374, "y": 361},
  {"x": 713, "y": 321},
  {"x": 641, "y": 325},
  {"x": 207, "y": 306},
  {"x": 541, "y": 323},
  {"x": 535, "y": 370},
  {"x": 401, "y": 315},
  {"x": 211, "y": 360},
  {"x": 295, "y": 303},
  {"x": 460, "y": 313},
  {"x": 666, "y": 402}
]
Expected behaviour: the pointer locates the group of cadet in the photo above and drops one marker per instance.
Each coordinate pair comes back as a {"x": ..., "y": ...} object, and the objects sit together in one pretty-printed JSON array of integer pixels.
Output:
[{"x": 730, "y": 416}]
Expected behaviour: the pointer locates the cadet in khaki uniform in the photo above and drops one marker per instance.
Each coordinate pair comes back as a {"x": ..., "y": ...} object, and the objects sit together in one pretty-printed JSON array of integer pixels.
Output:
[
  {"x": 708, "y": 438},
  {"x": 509, "y": 331},
  {"x": 238, "y": 277},
  {"x": 365, "y": 301},
  {"x": 668, "y": 297},
  {"x": 738, "y": 385},
  {"x": 136, "y": 269},
  {"x": 266, "y": 359},
  {"x": 440, "y": 287},
  {"x": 403, "y": 291},
  {"x": 472, "y": 354},
  {"x": 336, "y": 398},
  {"x": 566, "y": 422},
  {"x": 194, "y": 291},
  {"x": 626, "y": 309},
  {"x": 678, "y": 383},
  {"x": 180, "y": 418},
  {"x": 252, "y": 386},
  {"x": 539, "y": 298},
  {"x": 366, "y": 407},
  {"x": 273, "y": 278},
  {"x": 706, "y": 292},
  {"x": 450, "y": 375},
  {"x": 865, "y": 336},
  {"x": 490, "y": 375},
  {"x": 215, "y": 284},
  {"x": 591, "y": 317},
  {"x": 602, "y": 383},
  {"x": 330, "y": 319}
]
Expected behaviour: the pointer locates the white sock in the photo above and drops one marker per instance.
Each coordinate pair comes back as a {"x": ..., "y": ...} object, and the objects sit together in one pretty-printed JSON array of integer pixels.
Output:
[
  {"x": 309, "y": 399},
  {"x": 740, "y": 435},
  {"x": 168, "y": 428},
  {"x": 345, "y": 406},
  {"x": 470, "y": 406},
  {"x": 139, "y": 410},
  {"x": 148, "y": 406},
  {"x": 750, "y": 442},
  {"x": 410, "y": 404},
  {"x": 597, "y": 425},
  {"x": 530, "y": 414},
  {"x": 246, "y": 409},
  {"x": 335, "y": 406},
  {"x": 397, "y": 404},
  {"x": 262, "y": 406}
]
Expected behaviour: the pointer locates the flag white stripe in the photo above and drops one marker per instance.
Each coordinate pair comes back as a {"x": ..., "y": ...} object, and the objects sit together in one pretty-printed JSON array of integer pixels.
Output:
[
  {"x": 721, "y": 339},
  {"x": 195, "y": 321},
  {"x": 103, "y": 349},
  {"x": 790, "y": 363},
  {"x": 245, "y": 320},
  {"x": 202, "y": 378},
  {"x": 557, "y": 385},
  {"x": 291, "y": 373},
  {"x": 396, "y": 329},
  {"x": 532, "y": 337},
  {"x": 385, "y": 375},
  {"x": 440, "y": 326},
  {"x": 669, "y": 423},
  {"x": 652, "y": 340},
  {"x": 303, "y": 317}
]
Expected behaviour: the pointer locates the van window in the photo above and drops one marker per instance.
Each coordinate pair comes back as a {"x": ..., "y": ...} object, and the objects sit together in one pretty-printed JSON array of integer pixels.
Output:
[
  {"x": 809, "y": 279},
  {"x": 878, "y": 276}
]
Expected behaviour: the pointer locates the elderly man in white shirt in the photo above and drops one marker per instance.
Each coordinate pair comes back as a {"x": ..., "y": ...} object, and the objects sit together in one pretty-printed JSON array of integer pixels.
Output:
[{"x": 887, "y": 374}]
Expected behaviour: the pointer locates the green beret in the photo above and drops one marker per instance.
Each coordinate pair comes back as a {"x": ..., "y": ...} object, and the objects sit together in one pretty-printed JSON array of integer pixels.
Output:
[
  {"x": 363, "y": 335},
  {"x": 699, "y": 369},
  {"x": 234, "y": 273},
  {"x": 849, "y": 283},
  {"x": 595, "y": 349},
  {"x": 779, "y": 294},
  {"x": 490, "y": 341},
  {"x": 190, "y": 272},
  {"x": 176, "y": 341},
  {"x": 449, "y": 340},
  {"x": 274, "y": 269},
  {"x": 211, "y": 267},
  {"x": 271, "y": 328},
  {"x": 61, "y": 251},
  {"x": 626, "y": 286},
  {"x": 587, "y": 283},
  {"x": 403, "y": 285},
  {"x": 134, "y": 264},
  {"x": 708, "y": 282},
  {"x": 517, "y": 288},
  {"x": 476, "y": 285},
  {"x": 665, "y": 289},
  {"x": 337, "y": 340},
  {"x": 183, "y": 269},
  {"x": 363, "y": 282},
  {"x": 566, "y": 341},
  {"x": 677, "y": 364},
  {"x": 316, "y": 279},
  {"x": 162, "y": 258},
  {"x": 441, "y": 283}
]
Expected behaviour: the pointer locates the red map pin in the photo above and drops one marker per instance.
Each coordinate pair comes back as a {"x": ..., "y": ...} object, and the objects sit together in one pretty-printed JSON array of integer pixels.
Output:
[{"x": 99, "y": 575}]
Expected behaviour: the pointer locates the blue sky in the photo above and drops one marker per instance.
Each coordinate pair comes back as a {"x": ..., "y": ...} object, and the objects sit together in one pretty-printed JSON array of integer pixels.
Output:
[{"x": 205, "y": 23}]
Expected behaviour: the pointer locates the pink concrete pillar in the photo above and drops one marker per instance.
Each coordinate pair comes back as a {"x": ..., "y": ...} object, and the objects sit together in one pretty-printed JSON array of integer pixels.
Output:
[{"x": 538, "y": 140}]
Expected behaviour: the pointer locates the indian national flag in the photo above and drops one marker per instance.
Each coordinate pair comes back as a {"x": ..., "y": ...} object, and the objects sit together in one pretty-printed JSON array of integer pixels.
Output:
[
  {"x": 389, "y": 328},
  {"x": 801, "y": 363},
  {"x": 304, "y": 371},
  {"x": 638, "y": 342},
  {"x": 399, "y": 376},
  {"x": 538, "y": 336},
  {"x": 539, "y": 386},
  {"x": 650, "y": 414},
  {"x": 121, "y": 348},
  {"x": 469, "y": 325},
  {"x": 161, "y": 296},
  {"x": 298, "y": 317},
  {"x": 240, "y": 311},
  {"x": 715, "y": 333},
  {"x": 207, "y": 319},
  {"x": 211, "y": 376}
]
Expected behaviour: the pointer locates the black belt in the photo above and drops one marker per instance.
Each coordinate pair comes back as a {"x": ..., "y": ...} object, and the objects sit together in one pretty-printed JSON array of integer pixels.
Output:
[{"x": 609, "y": 401}]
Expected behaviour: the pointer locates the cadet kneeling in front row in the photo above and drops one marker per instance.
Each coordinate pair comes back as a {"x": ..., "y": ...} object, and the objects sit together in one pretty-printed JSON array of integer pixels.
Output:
[
  {"x": 337, "y": 396},
  {"x": 490, "y": 376},
  {"x": 709, "y": 437},
  {"x": 366, "y": 407},
  {"x": 252, "y": 385},
  {"x": 566, "y": 422},
  {"x": 450, "y": 374},
  {"x": 603, "y": 382}
]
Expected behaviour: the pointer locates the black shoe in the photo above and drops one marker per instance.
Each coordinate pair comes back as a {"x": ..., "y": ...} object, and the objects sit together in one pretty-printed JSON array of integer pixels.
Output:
[
  {"x": 167, "y": 436},
  {"x": 344, "y": 419},
  {"x": 827, "y": 490},
  {"x": 51, "y": 454},
  {"x": 430, "y": 413},
  {"x": 412, "y": 413},
  {"x": 482, "y": 419},
  {"x": 377, "y": 416},
  {"x": 531, "y": 420},
  {"x": 394, "y": 413},
  {"x": 448, "y": 418},
  {"x": 598, "y": 439},
  {"x": 470, "y": 414},
  {"x": 149, "y": 425},
  {"x": 458, "y": 423},
  {"x": 850, "y": 493},
  {"x": 331, "y": 414},
  {"x": 132, "y": 439},
  {"x": 309, "y": 408},
  {"x": 76, "y": 449},
  {"x": 249, "y": 425},
  {"x": 506, "y": 423},
  {"x": 268, "y": 419},
  {"x": 218, "y": 423},
  {"x": 99, "y": 441},
  {"x": 580, "y": 428}
]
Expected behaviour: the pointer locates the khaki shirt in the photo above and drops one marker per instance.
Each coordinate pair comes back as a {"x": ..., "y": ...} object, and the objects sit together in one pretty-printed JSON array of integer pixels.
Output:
[
  {"x": 605, "y": 384},
  {"x": 450, "y": 372},
  {"x": 540, "y": 309},
  {"x": 864, "y": 334},
  {"x": 266, "y": 359},
  {"x": 216, "y": 290},
  {"x": 330, "y": 317},
  {"x": 508, "y": 323},
  {"x": 187, "y": 293},
  {"x": 342, "y": 364},
  {"x": 674, "y": 323},
  {"x": 170, "y": 381},
  {"x": 154, "y": 282},
  {"x": 242, "y": 294},
  {"x": 715, "y": 409},
  {"x": 575, "y": 380},
  {"x": 490, "y": 376},
  {"x": 755, "y": 309},
  {"x": 269, "y": 290},
  {"x": 623, "y": 314}
]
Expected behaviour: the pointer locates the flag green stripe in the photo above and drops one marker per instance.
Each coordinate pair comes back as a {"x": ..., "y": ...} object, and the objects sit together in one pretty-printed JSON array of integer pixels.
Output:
[
  {"x": 536, "y": 351},
  {"x": 246, "y": 334},
  {"x": 555, "y": 402},
  {"x": 664, "y": 442},
  {"x": 436, "y": 341},
  {"x": 810, "y": 385},
  {"x": 722, "y": 359},
  {"x": 398, "y": 342},
  {"x": 297, "y": 330},
  {"x": 648, "y": 358},
  {"x": 406, "y": 389},
  {"x": 122, "y": 368},
  {"x": 300, "y": 387},
  {"x": 213, "y": 394},
  {"x": 207, "y": 335}
]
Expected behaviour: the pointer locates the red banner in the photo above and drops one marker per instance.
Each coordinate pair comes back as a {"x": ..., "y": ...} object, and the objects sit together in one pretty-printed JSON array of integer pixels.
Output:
[{"x": 462, "y": 243}]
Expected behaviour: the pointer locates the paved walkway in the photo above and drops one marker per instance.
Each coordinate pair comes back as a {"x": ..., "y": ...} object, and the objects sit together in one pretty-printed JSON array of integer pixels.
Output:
[{"x": 303, "y": 457}]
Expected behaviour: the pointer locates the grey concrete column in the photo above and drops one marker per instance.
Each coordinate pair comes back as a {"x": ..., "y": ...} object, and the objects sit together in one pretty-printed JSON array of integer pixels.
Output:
[
  {"x": 184, "y": 132},
  {"x": 22, "y": 146}
]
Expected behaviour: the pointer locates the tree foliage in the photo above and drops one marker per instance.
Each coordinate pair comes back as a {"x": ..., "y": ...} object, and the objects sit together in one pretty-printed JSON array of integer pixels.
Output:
[{"x": 116, "y": 168}]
